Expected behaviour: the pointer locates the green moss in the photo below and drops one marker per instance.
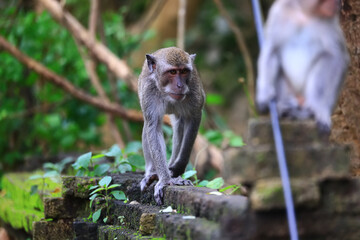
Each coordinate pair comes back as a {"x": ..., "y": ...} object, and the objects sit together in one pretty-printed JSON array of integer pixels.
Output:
[
  {"x": 18, "y": 207},
  {"x": 271, "y": 194}
]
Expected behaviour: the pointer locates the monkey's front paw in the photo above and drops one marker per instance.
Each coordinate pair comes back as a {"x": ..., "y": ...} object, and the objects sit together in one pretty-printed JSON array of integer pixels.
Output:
[
  {"x": 147, "y": 180},
  {"x": 159, "y": 187}
]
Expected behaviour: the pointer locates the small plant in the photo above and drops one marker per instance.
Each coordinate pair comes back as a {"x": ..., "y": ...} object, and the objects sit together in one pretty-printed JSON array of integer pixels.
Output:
[
  {"x": 104, "y": 191},
  {"x": 121, "y": 220},
  {"x": 85, "y": 165},
  {"x": 216, "y": 183},
  {"x": 35, "y": 188},
  {"x": 128, "y": 159}
]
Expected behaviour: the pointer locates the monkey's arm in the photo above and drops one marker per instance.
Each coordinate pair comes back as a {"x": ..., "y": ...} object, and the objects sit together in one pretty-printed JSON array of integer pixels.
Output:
[
  {"x": 268, "y": 71},
  {"x": 156, "y": 145}
]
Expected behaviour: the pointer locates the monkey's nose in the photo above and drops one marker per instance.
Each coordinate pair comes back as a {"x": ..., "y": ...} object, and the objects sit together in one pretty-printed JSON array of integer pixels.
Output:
[{"x": 180, "y": 85}]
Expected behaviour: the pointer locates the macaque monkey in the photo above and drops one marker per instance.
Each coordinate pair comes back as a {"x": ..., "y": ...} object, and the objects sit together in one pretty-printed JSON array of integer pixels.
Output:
[
  {"x": 169, "y": 84},
  {"x": 303, "y": 60}
]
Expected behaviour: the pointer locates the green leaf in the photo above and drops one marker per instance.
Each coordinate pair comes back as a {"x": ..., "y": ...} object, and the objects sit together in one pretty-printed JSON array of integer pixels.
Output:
[
  {"x": 93, "y": 187},
  {"x": 33, "y": 177},
  {"x": 114, "y": 151},
  {"x": 114, "y": 186},
  {"x": 91, "y": 202},
  {"x": 93, "y": 196},
  {"x": 98, "y": 156},
  {"x": 215, "y": 137},
  {"x": 189, "y": 174},
  {"x": 105, "y": 181},
  {"x": 133, "y": 147},
  {"x": 216, "y": 183},
  {"x": 236, "y": 142},
  {"x": 34, "y": 189},
  {"x": 49, "y": 165},
  {"x": 125, "y": 167},
  {"x": 203, "y": 183},
  {"x": 80, "y": 172},
  {"x": 97, "y": 190},
  {"x": 51, "y": 174},
  {"x": 228, "y": 187},
  {"x": 101, "y": 169},
  {"x": 137, "y": 161},
  {"x": 105, "y": 219},
  {"x": 83, "y": 161},
  {"x": 96, "y": 215},
  {"x": 214, "y": 99},
  {"x": 119, "y": 195}
]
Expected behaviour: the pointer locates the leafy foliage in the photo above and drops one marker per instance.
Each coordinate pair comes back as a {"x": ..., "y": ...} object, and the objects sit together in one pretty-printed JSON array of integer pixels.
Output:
[
  {"x": 129, "y": 159},
  {"x": 224, "y": 138},
  {"x": 107, "y": 192},
  {"x": 37, "y": 118}
]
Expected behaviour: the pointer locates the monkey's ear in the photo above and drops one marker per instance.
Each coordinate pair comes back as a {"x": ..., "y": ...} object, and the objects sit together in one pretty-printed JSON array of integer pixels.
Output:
[
  {"x": 192, "y": 56},
  {"x": 151, "y": 62}
]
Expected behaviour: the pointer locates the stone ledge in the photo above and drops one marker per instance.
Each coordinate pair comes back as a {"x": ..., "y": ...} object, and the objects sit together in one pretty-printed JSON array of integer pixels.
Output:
[
  {"x": 47, "y": 230},
  {"x": 57, "y": 208},
  {"x": 268, "y": 194},
  {"x": 294, "y": 132},
  {"x": 249, "y": 164},
  {"x": 198, "y": 202},
  {"x": 325, "y": 209}
]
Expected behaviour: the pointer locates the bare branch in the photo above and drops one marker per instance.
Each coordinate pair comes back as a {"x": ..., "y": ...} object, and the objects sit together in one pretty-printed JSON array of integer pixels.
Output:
[
  {"x": 151, "y": 14},
  {"x": 243, "y": 48},
  {"x": 181, "y": 24},
  {"x": 94, "y": 78},
  {"x": 68, "y": 86},
  {"x": 101, "y": 52}
]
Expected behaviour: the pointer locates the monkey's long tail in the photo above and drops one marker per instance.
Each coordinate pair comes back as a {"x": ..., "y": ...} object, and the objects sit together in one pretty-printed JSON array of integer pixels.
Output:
[{"x": 277, "y": 137}]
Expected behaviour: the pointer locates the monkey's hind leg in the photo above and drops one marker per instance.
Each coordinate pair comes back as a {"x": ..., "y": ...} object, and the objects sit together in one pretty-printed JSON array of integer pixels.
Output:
[
  {"x": 178, "y": 136},
  {"x": 150, "y": 171}
]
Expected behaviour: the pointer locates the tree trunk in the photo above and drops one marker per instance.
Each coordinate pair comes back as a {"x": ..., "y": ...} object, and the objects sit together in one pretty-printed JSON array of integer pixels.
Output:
[{"x": 346, "y": 118}]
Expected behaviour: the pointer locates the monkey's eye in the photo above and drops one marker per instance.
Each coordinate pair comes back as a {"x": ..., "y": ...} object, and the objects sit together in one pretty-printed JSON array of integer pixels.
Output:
[
  {"x": 172, "y": 72},
  {"x": 184, "y": 71}
]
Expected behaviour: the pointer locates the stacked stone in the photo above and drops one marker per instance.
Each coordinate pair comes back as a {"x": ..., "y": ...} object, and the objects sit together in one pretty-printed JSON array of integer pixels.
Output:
[{"x": 326, "y": 198}]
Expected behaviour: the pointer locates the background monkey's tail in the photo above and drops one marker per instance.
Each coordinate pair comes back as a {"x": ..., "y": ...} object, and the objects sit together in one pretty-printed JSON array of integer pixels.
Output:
[{"x": 277, "y": 136}]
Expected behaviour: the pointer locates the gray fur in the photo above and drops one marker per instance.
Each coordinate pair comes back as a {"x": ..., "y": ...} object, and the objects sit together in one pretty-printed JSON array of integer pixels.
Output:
[
  {"x": 185, "y": 115},
  {"x": 303, "y": 55}
]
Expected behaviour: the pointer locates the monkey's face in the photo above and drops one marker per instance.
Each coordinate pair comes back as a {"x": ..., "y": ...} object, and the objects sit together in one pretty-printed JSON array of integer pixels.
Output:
[
  {"x": 174, "y": 82},
  {"x": 327, "y": 8},
  {"x": 321, "y": 8}
]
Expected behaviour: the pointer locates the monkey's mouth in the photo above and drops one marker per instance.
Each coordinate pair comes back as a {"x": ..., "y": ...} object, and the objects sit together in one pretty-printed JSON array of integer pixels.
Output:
[{"x": 176, "y": 96}]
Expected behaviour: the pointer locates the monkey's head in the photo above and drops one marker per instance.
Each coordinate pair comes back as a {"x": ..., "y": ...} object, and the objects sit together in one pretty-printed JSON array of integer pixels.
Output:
[
  {"x": 321, "y": 8},
  {"x": 173, "y": 70}
]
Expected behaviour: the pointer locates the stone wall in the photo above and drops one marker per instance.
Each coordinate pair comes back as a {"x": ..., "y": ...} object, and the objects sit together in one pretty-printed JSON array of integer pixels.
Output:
[{"x": 326, "y": 209}]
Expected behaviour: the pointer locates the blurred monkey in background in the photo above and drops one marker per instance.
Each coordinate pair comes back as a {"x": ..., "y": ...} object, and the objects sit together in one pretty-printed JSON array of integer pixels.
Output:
[{"x": 303, "y": 61}]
